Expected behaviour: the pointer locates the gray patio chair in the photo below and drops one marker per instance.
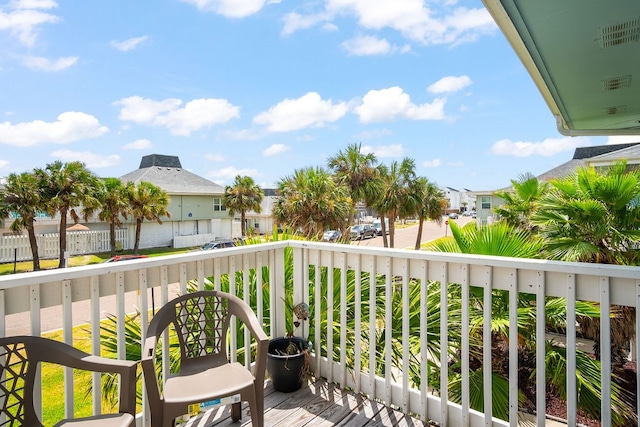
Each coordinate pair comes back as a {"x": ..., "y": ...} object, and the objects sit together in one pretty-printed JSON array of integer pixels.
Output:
[
  {"x": 20, "y": 357},
  {"x": 201, "y": 321}
]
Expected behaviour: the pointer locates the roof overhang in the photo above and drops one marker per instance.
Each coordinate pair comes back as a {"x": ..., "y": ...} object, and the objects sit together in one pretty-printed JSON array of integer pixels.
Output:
[{"x": 584, "y": 57}]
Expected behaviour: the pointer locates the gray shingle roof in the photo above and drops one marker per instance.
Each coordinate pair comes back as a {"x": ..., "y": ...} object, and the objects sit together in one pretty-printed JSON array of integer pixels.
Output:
[
  {"x": 173, "y": 180},
  {"x": 598, "y": 150}
]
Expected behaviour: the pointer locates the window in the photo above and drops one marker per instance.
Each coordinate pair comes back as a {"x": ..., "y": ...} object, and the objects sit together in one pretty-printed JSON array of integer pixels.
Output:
[
  {"x": 218, "y": 205},
  {"x": 486, "y": 202}
]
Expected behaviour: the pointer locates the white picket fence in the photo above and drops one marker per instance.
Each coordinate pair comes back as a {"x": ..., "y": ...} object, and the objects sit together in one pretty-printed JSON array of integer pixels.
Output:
[{"x": 78, "y": 243}]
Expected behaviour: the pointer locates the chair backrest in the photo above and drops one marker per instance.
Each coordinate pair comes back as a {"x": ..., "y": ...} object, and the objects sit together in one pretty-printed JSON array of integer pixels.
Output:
[
  {"x": 201, "y": 321},
  {"x": 18, "y": 363}
]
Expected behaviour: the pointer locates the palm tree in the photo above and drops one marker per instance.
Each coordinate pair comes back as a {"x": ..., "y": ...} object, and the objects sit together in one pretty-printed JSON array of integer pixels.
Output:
[
  {"x": 594, "y": 216},
  {"x": 428, "y": 203},
  {"x": 393, "y": 194},
  {"x": 22, "y": 195},
  {"x": 243, "y": 195},
  {"x": 67, "y": 186},
  {"x": 521, "y": 202},
  {"x": 114, "y": 206},
  {"x": 357, "y": 171},
  {"x": 149, "y": 202},
  {"x": 312, "y": 201}
]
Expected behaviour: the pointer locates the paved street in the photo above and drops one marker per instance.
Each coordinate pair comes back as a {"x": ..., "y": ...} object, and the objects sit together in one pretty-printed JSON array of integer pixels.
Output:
[{"x": 405, "y": 237}]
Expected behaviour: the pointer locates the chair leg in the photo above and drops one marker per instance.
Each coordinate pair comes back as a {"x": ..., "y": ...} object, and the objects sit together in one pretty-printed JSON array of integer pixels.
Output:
[
  {"x": 256, "y": 408},
  {"x": 236, "y": 411}
]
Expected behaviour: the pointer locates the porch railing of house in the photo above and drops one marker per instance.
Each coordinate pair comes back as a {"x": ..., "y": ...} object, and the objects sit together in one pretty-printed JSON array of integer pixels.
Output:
[{"x": 348, "y": 350}]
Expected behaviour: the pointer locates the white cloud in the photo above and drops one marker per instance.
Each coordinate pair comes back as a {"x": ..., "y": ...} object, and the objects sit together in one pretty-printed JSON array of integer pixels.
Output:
[
  {"x": 393, "y": 103},
  {"x": 138, "y": 144},
  {"x": 128, "y": 44},
  {"x": 412, "y": 18},
  {"x": 294, "y": 21},
  {"x": 216, "y": 157},
  {"x": 229, "y": 8},
  {"x": 432, "y": 163},
  {"x": 69, "y": 127},
  {"x": 195, "y": 115},
  {"x": 44, "y": 64},
  {"x": 227, "y": 174},
  {"x": 548, "y": 147},
  {"x": 92, "y": 160},
  {"x": 22, "y": 19},
  {"x": 3, "y": 163},
  {"x": 367, "y": 45},
  {"x": 450, "y": 84},
  {"x": 275, "y": 149},
  {"x": 384, "y": 151},
  {"x": 307, "y": 111},
  {"x": 622, "y": 139}
]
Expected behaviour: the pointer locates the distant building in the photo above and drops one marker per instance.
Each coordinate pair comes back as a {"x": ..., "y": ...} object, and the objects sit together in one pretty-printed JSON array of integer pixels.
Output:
[
  {"x": 458, "y": 200},
  {"x": 196, "y": 204}
]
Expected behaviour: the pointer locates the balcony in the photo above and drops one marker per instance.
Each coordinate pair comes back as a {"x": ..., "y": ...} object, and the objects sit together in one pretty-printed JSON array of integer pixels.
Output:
[{"x": 390, "y": 359}]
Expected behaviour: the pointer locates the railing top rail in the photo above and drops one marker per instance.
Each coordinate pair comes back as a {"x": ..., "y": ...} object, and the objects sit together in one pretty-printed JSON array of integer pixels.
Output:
[
  {"x": 624, "y": 272},
  {"x": 609, "y": 270}
]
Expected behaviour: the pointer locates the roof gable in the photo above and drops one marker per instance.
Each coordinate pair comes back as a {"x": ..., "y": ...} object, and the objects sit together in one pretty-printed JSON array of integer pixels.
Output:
[{"x": 172, "y": 179}]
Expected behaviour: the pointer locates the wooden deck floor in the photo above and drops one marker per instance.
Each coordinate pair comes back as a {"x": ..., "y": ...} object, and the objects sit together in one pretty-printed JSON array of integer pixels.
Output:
[{"x": 318, "y": 404}]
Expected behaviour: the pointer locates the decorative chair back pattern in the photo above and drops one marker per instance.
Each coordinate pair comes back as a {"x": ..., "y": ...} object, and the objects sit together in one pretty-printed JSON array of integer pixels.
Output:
[
  {"x": 201, "y": 324},
  {"x": 15, "y": 369}
]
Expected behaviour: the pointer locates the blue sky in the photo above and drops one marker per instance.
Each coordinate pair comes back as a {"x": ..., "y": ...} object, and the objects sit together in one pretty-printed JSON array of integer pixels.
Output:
[{"x": 263, "y": 87}]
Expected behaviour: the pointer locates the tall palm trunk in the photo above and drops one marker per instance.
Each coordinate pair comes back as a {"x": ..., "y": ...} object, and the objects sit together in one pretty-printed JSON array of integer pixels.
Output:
[
  {"x": 63, "y": 238},
  {"x": 112, "y": 238},
  {"x": 33, "y": 242},
  {"x": 419, "y": 238},
  {"x": 137, "y": 243},
  {"x": 383, "y": 225}
]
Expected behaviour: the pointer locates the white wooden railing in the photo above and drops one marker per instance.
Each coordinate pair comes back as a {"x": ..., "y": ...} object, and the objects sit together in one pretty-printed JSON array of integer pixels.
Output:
[{"x": 33, "y": 302}]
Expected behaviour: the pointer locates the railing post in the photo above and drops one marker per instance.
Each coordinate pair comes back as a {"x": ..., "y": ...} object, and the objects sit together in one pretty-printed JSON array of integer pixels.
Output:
[{"x": 278, "y": 328}]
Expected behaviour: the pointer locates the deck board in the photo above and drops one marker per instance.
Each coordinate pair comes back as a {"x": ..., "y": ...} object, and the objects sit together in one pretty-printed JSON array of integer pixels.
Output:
[{"x": 319, "y": 404}]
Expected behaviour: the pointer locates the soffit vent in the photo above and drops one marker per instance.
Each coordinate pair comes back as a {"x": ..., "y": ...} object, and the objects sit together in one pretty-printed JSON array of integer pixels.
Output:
[
  {"x": 621, "y": 33},
  {"x": 615, "y": 83},
  {"x": 609, "y": 111}
]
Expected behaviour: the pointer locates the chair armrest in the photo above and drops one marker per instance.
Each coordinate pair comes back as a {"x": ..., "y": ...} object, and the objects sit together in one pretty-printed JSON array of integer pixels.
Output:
[
  {"x": 148, "y": 363},
  {"x": 66, "y": 355},
  {"x": 128, "y": 371},
  {"x": 242, "y": 311}
]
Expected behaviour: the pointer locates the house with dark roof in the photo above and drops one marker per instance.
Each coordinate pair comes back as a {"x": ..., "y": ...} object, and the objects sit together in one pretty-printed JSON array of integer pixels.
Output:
[
  {"x": 595, "y": 156},
  {"x": 198, "y": 214}
]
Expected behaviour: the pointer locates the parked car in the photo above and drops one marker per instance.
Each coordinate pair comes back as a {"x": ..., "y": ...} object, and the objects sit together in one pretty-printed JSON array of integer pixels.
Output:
[
  {"x": 362, "y": 231},
  {"x": 453, "y": 215},
  {"x": 377, "y": 226},
  {"x": 125, "y": 258},
  {"x": 219, "y": 244},
  {"x": 331, "y": 235}
]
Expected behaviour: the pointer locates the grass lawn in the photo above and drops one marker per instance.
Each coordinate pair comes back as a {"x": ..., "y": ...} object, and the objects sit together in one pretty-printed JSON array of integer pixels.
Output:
[{"x": 75, "y": 261}]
